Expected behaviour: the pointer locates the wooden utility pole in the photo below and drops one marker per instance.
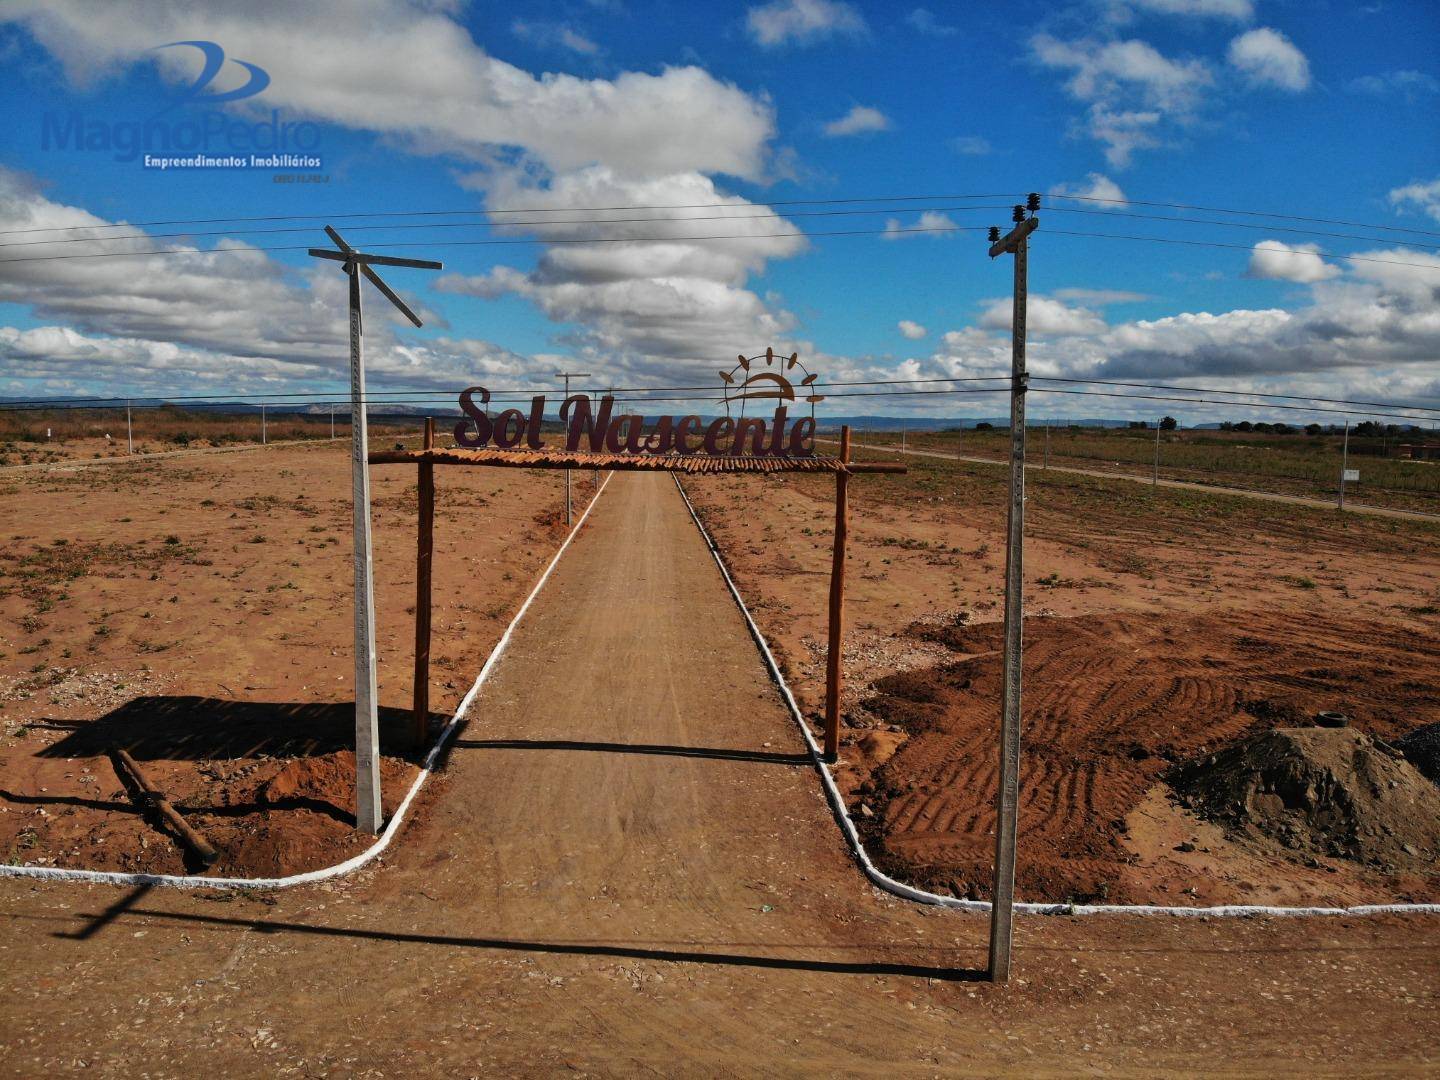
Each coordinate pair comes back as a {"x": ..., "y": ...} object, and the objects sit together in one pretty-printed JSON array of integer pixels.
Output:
[
  {"x": 567, "y": 376},
  {"x": 367, "y": 720},
  {"x": 424, "y": 557},
  {"x": 1007, "y": 802},
  {"x": 833, "y": 672}
]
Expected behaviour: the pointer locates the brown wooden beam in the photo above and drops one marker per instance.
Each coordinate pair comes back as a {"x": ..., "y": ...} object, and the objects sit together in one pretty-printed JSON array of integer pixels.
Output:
[
  {"x": 693, "y": 463},
  {"x": 833, "y": 668},
  {"x": 425, "y": 551},
  {"x": 156, "y": 799}
]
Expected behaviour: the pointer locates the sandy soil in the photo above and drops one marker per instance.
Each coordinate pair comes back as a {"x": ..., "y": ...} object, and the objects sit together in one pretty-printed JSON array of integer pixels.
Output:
[
  {"x": 196, "y": 611},
  {"x": 1160, "y": 626},
  {"x": 627, "y": 868}
]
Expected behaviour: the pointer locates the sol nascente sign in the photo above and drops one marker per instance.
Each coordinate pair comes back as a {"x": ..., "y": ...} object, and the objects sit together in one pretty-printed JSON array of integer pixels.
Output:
[{"x": 602, "y": 431}]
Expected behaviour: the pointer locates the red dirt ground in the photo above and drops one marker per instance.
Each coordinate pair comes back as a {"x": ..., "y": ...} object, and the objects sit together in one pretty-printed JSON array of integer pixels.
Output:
[
  {"x": 1157, "y": 624},
  {"x": 1112, "y": 702},
  {"x": 196, "y": 611}
]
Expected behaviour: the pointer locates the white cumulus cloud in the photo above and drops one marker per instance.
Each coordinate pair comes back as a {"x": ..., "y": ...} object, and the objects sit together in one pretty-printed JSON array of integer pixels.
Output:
[
  {"x": 1044, "y": 315},
  {"x": 1238, "y": 10},
  {"x": 1421, "y": 196},
  {"x": 803, "y": 22},
  {"x": 1266, "y": 57},
  {"x": 860, "y": 120},
  {"x": 1129, "y": 87},
  {"x": 912, "y": 330},
  {"x": 930, "y": 223},
  {"x": 442, "y": 92},
  {"x": 1278, "y": 261},
  {"x": 1096, "y": 186}
]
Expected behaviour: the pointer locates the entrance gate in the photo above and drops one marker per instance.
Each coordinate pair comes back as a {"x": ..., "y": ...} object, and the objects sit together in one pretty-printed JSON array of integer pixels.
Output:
[{"x": 429, "y": 455}]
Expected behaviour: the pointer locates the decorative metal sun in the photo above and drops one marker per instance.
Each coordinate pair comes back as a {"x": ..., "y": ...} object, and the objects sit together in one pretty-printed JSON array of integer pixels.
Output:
[{"x": 744, "y": 382}]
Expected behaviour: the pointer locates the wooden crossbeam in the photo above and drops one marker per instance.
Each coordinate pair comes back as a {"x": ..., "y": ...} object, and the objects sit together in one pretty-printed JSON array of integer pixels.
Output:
[{"x": 690, "y": 463}]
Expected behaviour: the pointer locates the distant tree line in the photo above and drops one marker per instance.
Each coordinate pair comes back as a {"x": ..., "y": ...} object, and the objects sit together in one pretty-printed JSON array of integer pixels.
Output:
[{"x": 1365, "y": 429}]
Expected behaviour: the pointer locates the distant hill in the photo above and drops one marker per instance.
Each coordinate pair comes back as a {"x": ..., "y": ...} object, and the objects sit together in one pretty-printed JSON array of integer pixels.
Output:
[{"x": 444, "y": 408}]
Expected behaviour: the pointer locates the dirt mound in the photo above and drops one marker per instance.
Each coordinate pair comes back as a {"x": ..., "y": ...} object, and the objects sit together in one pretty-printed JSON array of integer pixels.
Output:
[
  {"x": 1112, "y": 704},
  {"x": 1326, "y": 791},
  {"x": 330, "y": 778},
  {"x": 1422, "y": 749}
]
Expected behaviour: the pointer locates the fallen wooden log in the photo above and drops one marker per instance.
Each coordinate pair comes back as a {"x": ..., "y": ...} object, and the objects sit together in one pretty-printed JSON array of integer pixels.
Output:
[{"x": 155, "y": 798}]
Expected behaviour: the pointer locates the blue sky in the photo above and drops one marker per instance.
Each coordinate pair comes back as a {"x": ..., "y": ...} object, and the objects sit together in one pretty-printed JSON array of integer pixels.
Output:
[{"x": 1324, "y": 110}]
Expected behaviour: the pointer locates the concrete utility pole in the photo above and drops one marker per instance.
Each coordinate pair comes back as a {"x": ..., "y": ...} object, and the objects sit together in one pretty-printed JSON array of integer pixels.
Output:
[
  {"x": 367, "y": 720},
  {"x": 332, "y": 423},
  {"x": 262, "y": 425},
  {"x": 1047, "y": 444},
  {"x": 129, "y": 432},
  {"x": 567, "y": 376},
  {"x": 1344, "y": 463},
  {"x": 1007, "y": 802},
  {"x": 1155, "y": 467}
]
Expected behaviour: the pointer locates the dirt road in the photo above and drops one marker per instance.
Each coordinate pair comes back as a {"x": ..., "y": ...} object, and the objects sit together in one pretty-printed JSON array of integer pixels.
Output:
[
  {"x": 1213, "y": 489},
  {"x": 627, "y": 867}
]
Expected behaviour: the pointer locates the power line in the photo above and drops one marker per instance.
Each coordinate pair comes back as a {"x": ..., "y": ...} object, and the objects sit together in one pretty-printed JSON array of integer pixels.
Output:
[
  {"x": 946, "y": 392},
  {"x": 797, "y": 233},
  {"x": 546, "y": 223},
  {"x": 1226, "y": 225},
  {"x": 1246, "y": 213},
  {"x": 361, "y": 215},
  {"x": 551, "y": 223},
  {"x": 510, "y": 210},
  {"x": 1245, "y": 393},
  {"x": 1230, "y": 404},
  {"x": 344, "y": 393},
  {"x": 510, "y": 243},
  {"x": 1233, "y": 247},
  {"x": 518, "y": 393}
]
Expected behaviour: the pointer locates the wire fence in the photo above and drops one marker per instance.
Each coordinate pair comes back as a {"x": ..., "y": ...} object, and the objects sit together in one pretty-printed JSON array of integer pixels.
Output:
[
  {"x": 1400, "y": 470},
  {"x": 1398, "y": 464}
]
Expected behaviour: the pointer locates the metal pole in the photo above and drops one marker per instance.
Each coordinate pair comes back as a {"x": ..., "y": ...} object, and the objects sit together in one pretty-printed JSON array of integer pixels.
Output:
[
  {"x": 1155, "y": 468},
  {"x": 367, "y": 721},
  {"x": 1007, "y": 802},
  {"x": 129, "y": 431},
  {"x": 567, "y": 376},
  {"x": 1344, "y": 463}
]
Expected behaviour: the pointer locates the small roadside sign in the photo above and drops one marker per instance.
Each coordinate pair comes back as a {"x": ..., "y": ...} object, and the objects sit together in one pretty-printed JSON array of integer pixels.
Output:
[{"x": 1352, "y": 476}]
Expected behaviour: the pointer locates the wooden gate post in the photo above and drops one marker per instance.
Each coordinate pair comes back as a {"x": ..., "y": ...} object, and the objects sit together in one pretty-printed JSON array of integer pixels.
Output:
[
  {"x": 833, "y": 675},
  {"x": 425, "y": 551}
]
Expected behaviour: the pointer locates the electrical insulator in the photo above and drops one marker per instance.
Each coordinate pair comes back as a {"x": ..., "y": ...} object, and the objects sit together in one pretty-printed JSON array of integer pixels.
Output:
[
  {"x": 1032, "y": 201},
  {"x": 1018, "y": 214},
  {"x": 994, "y": 234}
]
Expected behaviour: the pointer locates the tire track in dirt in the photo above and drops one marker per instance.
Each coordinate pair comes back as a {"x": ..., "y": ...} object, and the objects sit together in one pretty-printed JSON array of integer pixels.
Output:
[{"x": 1113, "y": 701}]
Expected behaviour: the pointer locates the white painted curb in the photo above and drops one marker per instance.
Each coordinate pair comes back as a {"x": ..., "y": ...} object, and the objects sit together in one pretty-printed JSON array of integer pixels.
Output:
[
  {"x": 191, "y": 881},
  {"x": 909, "y": 892}
]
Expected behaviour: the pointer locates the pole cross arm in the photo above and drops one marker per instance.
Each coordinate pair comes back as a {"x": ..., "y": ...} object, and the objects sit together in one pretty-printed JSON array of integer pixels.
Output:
[
  {"x": 375, "y": 260},
  {"x": 1014, "y": 236},
  {"x": 362, "y": 261}
]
